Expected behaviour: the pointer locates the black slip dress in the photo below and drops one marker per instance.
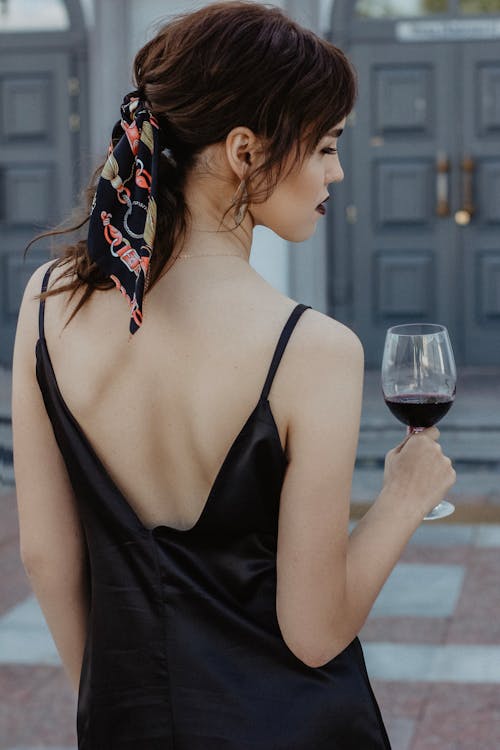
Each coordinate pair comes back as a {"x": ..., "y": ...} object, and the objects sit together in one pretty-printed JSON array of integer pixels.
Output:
[{"x": 183, "y": 649}]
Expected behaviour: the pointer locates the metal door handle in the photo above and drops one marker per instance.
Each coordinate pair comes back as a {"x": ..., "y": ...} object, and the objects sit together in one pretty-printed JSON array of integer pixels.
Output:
[
  {"x": 442, "y": 184},
  {"x": 465, "y": 214}
]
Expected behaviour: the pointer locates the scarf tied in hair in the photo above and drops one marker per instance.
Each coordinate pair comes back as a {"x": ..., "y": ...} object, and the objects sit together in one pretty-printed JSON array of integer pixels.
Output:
[{"x": 123, "y": 216}]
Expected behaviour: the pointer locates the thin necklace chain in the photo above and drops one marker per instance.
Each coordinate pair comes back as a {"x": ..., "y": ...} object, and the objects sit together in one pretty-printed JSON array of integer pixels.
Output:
[{"x": 208, "y": 255}]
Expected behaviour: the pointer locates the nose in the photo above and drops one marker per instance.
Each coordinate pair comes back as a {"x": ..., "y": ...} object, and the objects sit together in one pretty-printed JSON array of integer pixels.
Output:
[{"x": 336, "y": 174}]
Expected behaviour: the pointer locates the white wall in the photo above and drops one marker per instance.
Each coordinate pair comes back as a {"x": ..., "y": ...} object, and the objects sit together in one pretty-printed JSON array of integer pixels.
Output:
[
  {"x": 109, "y": 70},
  {"x": 144, "y": 14},
  {"x": 325, "y": 14},
  {"x": 88, "y": 11}
]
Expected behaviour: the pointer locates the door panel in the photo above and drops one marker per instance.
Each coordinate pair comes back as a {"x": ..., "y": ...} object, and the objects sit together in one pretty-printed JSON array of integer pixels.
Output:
[
  {"x": 36, "y": 184},
  {"x": 402, "y": 94},
  {"x": 403, "y": 192}
]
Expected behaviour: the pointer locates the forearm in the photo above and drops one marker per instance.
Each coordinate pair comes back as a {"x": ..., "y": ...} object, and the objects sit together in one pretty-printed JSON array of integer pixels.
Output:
[
  {"x": 64, "y": 600},
  {"x": 375, "y": 546}
]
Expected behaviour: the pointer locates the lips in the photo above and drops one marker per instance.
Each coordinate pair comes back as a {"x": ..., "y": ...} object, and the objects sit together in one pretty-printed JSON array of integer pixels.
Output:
[{"x": 321, "y": 208}]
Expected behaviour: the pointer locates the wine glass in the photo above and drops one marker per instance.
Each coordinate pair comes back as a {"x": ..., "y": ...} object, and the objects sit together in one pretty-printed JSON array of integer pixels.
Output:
[{"x": 419, "y": 380}]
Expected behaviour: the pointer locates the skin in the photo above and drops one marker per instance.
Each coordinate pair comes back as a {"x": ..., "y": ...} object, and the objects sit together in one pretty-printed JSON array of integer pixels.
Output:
[{"x": 199, "y": 380}]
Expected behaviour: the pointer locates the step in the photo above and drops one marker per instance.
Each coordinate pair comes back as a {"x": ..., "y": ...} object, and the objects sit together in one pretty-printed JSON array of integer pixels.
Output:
[
  {"x": 474, "y": 446},
  {"x": 6, "y": 467},
  {"x": 472, "y": 482}
]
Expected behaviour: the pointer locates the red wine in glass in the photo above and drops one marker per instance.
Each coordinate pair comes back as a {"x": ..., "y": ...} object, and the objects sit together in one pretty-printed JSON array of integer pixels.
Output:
[
  {"x": 419, "y": 409},
  {"x": 419, "y": 380}
]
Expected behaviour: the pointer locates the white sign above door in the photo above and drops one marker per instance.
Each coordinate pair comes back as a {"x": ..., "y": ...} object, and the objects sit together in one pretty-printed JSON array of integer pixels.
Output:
[{"x": 447, "y": 30}]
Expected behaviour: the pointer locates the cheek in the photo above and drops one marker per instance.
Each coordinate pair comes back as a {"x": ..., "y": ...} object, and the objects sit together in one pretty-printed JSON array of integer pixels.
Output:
[
  {"x": 310, "y": 181},
  {"x": 300, "y": 193},
  {"x": 293, "y": 211},
  {"x": 290, "y": 209}
]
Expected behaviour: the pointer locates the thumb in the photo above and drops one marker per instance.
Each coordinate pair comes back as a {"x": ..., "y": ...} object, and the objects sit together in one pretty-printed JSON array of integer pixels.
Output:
[{"x": 401, "y": 445}]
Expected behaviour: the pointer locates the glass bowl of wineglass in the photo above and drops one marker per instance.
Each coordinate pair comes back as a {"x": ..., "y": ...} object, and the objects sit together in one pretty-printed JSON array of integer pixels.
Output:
[{"x": 419, "y": 381}]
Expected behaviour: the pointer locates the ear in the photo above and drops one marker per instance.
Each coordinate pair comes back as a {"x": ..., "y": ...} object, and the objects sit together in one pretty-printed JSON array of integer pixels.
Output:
[{"x": 243, "y": 151}]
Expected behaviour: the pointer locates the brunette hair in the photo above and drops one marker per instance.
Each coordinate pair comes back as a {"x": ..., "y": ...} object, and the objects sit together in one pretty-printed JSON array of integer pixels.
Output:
[{"x": 204, "y": 73}]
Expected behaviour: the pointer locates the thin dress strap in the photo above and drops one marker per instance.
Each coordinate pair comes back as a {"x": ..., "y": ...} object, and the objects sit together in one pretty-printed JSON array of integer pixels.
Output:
[
  {"x": 41, "y": 308},
  {"x": 280, "y": 347}
]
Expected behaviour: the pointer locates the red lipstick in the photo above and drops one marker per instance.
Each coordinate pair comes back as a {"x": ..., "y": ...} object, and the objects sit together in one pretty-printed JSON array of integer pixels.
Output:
[{"x": 321, "y": 208}]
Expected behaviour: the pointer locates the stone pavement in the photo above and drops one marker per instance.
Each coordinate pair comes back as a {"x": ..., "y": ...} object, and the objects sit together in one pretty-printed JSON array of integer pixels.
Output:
[{"x": 432, "y": 641}]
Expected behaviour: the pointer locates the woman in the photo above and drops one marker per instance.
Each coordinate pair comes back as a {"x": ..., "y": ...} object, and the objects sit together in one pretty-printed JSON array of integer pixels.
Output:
[{"x": 202, "y": 588}]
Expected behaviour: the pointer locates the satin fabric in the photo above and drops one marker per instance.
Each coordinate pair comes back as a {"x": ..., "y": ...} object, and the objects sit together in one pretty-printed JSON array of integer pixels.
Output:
[{"x": 184, "y": 650}]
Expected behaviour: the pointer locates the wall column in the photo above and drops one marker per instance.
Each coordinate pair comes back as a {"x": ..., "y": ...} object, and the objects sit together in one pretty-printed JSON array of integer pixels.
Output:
[
  {"x": 308, "y": 281},
  {"x": 109, "y": 71}
]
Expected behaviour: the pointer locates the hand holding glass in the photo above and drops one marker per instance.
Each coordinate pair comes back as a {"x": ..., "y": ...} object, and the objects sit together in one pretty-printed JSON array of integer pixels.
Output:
[{"x": 419, "y": 380}]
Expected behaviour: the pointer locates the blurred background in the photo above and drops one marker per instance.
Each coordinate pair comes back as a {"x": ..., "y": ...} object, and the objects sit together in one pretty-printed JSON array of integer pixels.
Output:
[{"x": 411, "y": 235}]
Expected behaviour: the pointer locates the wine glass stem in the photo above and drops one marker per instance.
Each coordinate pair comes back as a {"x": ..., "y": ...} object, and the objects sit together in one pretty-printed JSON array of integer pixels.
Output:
[{"x": 411, "y": 430}]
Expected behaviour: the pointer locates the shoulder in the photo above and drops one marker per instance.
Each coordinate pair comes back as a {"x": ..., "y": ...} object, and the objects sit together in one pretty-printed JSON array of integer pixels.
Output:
[
  {"x": 324, "y": 366},
  {"x": 321, "y": 338},
  {"x": 315, "y": 332},
  {"x": 27, "y": 322},
  {"x": 28, "y": 311},
  {"x": 34, "y": 284}
]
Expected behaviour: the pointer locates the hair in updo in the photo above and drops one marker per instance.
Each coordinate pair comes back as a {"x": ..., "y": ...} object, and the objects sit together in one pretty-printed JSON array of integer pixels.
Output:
[{"x": 206, "y": 72}]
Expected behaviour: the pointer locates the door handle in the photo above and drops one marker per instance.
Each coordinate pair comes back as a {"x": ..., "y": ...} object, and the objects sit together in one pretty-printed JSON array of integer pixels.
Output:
[
  {"x": 442, "y": 185},
  {"x": 465, "y": 214}
]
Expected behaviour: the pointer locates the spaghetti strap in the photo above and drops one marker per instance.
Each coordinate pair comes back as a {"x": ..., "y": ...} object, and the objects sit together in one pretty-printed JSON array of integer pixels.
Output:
[
  {"x": 41, "y": 308},
  {"x": 280, "y": 347}
]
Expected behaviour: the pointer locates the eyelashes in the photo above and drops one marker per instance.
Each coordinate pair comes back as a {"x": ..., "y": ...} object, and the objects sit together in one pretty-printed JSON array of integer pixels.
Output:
[{"x": 329, "y": 151}]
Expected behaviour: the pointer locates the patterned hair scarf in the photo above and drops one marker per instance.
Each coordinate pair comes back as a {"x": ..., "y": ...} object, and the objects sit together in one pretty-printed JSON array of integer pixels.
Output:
[{"x": 123, "y": 217}]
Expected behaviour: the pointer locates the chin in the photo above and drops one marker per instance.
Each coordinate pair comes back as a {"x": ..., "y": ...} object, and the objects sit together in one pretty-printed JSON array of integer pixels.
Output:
[{"x": 298, "y": 235}]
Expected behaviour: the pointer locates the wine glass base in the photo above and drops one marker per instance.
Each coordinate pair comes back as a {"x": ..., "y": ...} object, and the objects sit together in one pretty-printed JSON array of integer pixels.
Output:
[{"x": 443, "y": 509}]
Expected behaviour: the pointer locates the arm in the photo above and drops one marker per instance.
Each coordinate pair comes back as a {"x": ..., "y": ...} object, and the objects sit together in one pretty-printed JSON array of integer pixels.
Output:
[
  {"x": 327, "y": 581},
  {"x": 417, "y": 476},
  {"x": 52, "y": 542}
]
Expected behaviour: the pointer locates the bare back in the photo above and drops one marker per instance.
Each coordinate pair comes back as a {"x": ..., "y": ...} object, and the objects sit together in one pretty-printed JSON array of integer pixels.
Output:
[{"x": 161, "y": 410}]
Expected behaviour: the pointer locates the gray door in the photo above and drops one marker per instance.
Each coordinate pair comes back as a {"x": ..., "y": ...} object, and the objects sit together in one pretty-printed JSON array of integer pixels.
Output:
[
  {"x": 424, "y": 144},
  {"x": 478, "y": 100},
  {"x": 36, "y": 182}
]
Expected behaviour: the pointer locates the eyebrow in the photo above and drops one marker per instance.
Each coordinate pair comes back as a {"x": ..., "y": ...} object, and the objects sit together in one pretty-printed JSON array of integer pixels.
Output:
[{"x": 336, "y": 133}]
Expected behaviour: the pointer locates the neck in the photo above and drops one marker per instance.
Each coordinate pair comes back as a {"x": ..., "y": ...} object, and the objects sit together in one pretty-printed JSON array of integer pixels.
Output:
[
  {"x": 223, "y": 241},
  {"x": 207, "y": 199}
]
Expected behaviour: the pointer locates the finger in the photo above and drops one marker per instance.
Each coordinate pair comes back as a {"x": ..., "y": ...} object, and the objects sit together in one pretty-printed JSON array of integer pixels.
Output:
[
  {"x": 432, "y": 432},
  {"x": 401, "y": 445}
]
